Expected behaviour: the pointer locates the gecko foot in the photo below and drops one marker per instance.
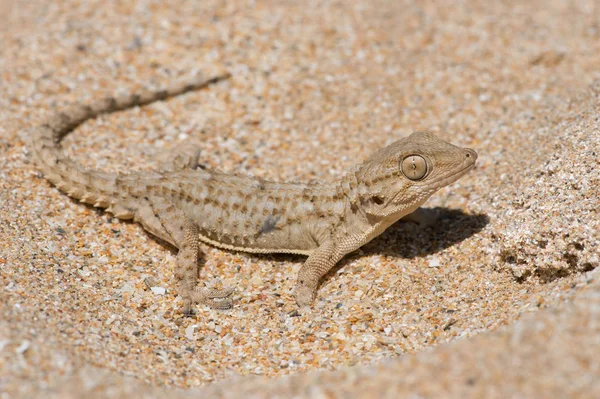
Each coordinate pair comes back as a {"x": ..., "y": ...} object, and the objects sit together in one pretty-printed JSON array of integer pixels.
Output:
[
  {"x": 216, "y": 299},
  {"x": 304, "y": 295}
]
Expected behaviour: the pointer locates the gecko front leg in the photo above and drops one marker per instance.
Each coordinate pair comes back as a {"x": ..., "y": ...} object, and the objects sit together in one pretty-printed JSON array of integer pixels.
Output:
[{"x": 316, "y": 266}]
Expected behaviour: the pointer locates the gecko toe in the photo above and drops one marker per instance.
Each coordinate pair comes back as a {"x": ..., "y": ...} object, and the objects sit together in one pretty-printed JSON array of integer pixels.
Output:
[
  {"x": 222, "y": 304},
  {"x": 215, "y": 299},
  {"x": 222, "y": 293}
]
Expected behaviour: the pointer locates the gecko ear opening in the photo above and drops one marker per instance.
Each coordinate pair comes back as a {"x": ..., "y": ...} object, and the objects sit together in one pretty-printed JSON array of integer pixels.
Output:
[
  {"x": 414, "y": 167},
  {"x": 378, "y": 200}
]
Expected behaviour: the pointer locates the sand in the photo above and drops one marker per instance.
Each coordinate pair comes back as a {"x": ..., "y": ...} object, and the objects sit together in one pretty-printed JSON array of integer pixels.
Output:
[{"x": 500, "y": 298}]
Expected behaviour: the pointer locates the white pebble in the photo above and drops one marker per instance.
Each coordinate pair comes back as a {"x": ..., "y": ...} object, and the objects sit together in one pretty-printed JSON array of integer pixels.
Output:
[
  {"x": 189, "y": 332},
  {"x": 434, "y": 262}
]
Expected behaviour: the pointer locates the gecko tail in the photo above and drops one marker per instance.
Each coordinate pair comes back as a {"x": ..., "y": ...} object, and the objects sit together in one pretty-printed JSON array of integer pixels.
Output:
[
  {"x": 89, "y": 186},
  {"x": 93, "y": 186}
]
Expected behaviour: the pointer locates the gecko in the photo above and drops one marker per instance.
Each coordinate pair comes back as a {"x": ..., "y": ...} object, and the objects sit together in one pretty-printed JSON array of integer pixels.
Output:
[{"x": 185, "y": 203}]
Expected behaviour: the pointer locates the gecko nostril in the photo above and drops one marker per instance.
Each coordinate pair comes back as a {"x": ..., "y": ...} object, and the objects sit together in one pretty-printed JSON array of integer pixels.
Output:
[{"x": 469, "y": 153}]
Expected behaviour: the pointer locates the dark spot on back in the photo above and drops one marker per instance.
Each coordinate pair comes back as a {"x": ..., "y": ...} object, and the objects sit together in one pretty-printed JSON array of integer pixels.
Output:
[{"x": 269, "y": 225}]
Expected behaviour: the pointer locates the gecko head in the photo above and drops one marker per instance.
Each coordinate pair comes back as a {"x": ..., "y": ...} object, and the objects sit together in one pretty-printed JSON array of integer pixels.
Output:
[{"x": 401, "y": 176}]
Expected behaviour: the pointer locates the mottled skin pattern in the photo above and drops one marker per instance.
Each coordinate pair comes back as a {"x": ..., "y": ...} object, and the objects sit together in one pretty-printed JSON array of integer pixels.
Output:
[{"x": 184, "y": 203}]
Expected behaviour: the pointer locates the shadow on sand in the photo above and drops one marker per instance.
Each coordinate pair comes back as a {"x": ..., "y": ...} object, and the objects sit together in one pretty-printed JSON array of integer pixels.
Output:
[{"x": 409, "y": 240}]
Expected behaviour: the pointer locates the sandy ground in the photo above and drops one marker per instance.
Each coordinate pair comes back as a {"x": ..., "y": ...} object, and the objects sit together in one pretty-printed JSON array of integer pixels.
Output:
[{"x": 498, "y": 298}]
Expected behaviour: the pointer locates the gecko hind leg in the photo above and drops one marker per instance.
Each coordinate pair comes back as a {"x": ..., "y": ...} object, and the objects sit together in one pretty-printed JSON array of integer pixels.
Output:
[
  {"x": 181, "y": 157},
  {"x": 186, "y": 273},
  {"x": 184, "y": 233}
]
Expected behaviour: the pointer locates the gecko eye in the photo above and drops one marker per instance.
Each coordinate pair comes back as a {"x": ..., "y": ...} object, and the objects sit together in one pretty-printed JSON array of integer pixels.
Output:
[{"x": 414, "y": 167}]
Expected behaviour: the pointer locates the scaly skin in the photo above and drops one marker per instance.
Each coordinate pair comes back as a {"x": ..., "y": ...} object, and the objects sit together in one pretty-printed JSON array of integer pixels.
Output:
[{"x": 184, "y": 204}]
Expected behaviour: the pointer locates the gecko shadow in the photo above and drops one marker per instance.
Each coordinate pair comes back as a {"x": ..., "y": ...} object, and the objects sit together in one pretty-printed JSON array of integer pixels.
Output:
[{"x": 409, "y": 240}]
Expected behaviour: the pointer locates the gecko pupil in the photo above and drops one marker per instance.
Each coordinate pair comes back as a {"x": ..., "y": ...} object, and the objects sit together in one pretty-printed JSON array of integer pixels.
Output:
[{"x": 414, "y": 167}]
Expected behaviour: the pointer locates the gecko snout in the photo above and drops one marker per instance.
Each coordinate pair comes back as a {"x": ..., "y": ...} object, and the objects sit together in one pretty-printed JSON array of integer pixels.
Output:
[{"x": 470, "y": 153}]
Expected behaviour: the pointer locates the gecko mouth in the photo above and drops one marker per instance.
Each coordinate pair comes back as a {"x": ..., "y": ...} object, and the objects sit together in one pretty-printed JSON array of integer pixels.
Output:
[
  {"x": 470, "y": 161},
  {"x": 443, "y": 181}
]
